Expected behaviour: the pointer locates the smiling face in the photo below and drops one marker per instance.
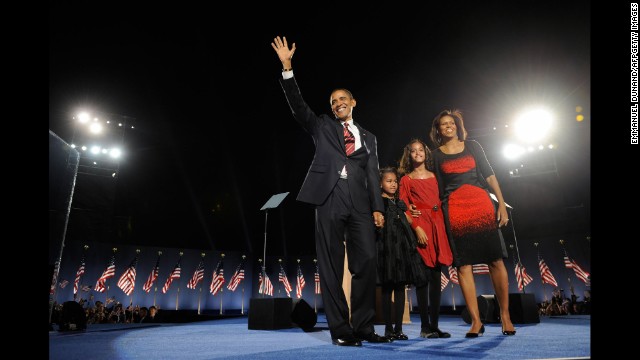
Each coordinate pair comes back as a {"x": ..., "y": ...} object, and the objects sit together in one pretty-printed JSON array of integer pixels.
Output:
[
  {"x": 342, "y": 104},
  {"x": 447, "y": 127},
  {"x": 417, "y": 153}
]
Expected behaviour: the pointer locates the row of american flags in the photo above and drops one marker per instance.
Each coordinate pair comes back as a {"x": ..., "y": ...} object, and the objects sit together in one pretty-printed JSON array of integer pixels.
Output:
[
  {"x": 522, "y": 278},
  {"x": 126, "y": 281}
]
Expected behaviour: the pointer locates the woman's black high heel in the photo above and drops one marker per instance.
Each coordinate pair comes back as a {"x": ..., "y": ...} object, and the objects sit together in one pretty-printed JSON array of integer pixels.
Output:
[
  {"x": 507, "y": 332},
  {"x": 479, "y": 333}
]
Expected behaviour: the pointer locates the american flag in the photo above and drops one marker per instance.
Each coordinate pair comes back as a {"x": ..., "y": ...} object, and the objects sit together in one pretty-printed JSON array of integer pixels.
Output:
[
  {"x": 218, "y": 279},
  {"x": 152, "y": 277},
  {"x": 444, "y": 281},
  {"x": 237, "y": 277},
  {"x": 266, "y": 287},
  {"x": 127, "y": 280},
  {"x": 109, "y": 272},
  {"x": 78, "y": 276},
  {"x": 175, "y": 274},
  {"x": 453, "y": 274},
  {"x": 282, "y": 277},
  {"x": 63, "y": 284},
  {"x": 546, "y": 275},
  {"x": 480, "y": 269},
  {"x": 580, "y": 273},
  {"x": 316, "y": 277},
  {"x": 85, "y": 288},
  {"x": 198, "y": 275},
  {"x": 299, "y": 283},
  {"x": 522, "y": 278},
  {"x": 567, "y": 262}
]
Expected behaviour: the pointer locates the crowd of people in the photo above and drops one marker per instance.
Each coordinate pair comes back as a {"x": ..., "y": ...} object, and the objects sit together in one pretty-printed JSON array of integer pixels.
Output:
[
  {"x": 97, "y": 313},
  {"x": 563, "y": 305}
]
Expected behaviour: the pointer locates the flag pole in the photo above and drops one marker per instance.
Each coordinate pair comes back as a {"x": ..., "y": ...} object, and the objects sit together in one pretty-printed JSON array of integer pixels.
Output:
[
  {"x": 200, "y": 295},
  {"x": 453, "y": 297},
  {"x": 544, "y": 288},
  {"x": 280, "y": 262},
  {"x": 315, "y": 296},
  {"x": 242, "y": 303},
  {"x": 515, "y": 266},
  {"x": 564, "y": 252},
  {"x": 134, "y": 289},
  {"x": 155, "y": 290},
  {"x": 221, "y": 287},
  {"x": 178, "y": 292},
  {"x": 105, "y": 282},
  {"x": 261, "y": 285}
]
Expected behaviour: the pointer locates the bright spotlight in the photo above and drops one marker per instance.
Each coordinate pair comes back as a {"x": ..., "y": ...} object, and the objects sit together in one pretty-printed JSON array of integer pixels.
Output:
[
  {"x": 533, "y": 125},
  {"x": 95, "y": 149},
  {"x": 512, "y": 151},
  {"x": 115, "y": 153},
  {"x": 95, "y": 128},
  {"x": 84, "y": 148},
  {"x": 83, "y": 117}
]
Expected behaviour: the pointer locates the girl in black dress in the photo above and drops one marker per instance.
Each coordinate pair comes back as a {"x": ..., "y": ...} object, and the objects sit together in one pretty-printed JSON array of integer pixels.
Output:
[{"x": 398, "y": 260}]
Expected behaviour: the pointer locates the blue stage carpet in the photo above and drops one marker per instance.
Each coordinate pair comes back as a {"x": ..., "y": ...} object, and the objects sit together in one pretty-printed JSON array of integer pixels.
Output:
[{"x": 553, "y": 338}]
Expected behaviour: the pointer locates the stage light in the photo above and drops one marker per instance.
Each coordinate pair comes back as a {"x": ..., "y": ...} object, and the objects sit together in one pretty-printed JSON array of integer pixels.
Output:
[
  {"x": 512, "y": 151},
  {"x": 84, "y": 148},
  {"x": 115, "y": 153},
  {"x": 95, "y": 149},
  {"x": 533, "y": 125},
  {"x": 83, "y": 117},
  {"x": 95, "y": 128}
]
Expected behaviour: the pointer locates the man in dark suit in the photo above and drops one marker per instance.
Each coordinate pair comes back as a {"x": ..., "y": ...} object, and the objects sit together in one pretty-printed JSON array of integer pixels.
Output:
[{"x": 343, "y": 183}]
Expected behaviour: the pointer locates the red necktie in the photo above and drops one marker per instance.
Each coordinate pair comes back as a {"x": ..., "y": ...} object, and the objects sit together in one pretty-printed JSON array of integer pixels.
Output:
[{"x": 349, "y": 139}]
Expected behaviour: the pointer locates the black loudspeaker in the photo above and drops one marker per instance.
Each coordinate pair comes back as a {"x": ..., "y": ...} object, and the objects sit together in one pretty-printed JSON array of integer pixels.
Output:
[
  {"x": 523, "y": 309},
  {"x": 488, "y": 308},
  {"x": 303, "y": 315},
  {"x": 270, "y": 313},
  {"x": 72, "y": 317}
]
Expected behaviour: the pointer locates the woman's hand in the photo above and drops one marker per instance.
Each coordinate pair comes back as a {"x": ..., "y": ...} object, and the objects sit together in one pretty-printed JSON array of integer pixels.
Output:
[
  {"x": 503, "y": 217},
  {"x": 422, "y": 237}
]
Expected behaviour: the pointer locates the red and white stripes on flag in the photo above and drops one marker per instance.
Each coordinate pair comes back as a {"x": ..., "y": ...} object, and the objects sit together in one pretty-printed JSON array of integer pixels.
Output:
[
  {"x": 198, "y": 275},
  {"x": 85, "y": 288},
  {"x": 265, "y": 287},
  {"x": 127, "y": 280},
  {"x": 522, "y": 278},
  {"x": 316, "y": 277},
  {"x": 282, "y": 277},
  {"x": 567, "y": 262},
  {"x": 444, "y": 281},
  {"x": 175, "y": 274},
  {"x": 218, "y": 279},
  {"x": 299, "y": 283},
  {"x": 580, "y": 273},
  {"x": 152, "y": 277},
  {"x": 480, "y": 269},
  {"x": 78, "y": 276},
  {"x": 453, "y": 275},
  {"x": 546, "y": 275},
  {"x": 237, "y": 277},
  {"x": 109, "y": 272},
  {"x": 63, "y": 284}
]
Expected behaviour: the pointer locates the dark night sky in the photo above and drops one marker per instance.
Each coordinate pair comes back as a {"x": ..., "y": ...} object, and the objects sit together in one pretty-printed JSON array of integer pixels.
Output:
[{"x": 214, "y": 131}]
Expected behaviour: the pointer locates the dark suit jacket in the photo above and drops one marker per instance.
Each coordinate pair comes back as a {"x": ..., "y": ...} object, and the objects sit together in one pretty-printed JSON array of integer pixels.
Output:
[{"x": 363, "y": 173}]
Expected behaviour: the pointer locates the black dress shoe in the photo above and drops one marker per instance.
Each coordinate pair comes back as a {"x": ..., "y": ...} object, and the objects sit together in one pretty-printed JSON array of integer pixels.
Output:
[
  {"x": 346, "y": 341},
  {"x": 441, "y": 334},
  {"x": 374, "y": 338},
  {"x": 400, "y": 336},
  {"x": 475, "y": 335},
  {"x": 508, "y": 333}
]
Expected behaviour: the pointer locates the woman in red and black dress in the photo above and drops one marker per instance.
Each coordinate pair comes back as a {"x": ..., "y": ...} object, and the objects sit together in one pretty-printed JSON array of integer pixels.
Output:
[{"x": 465, "y": 178}]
